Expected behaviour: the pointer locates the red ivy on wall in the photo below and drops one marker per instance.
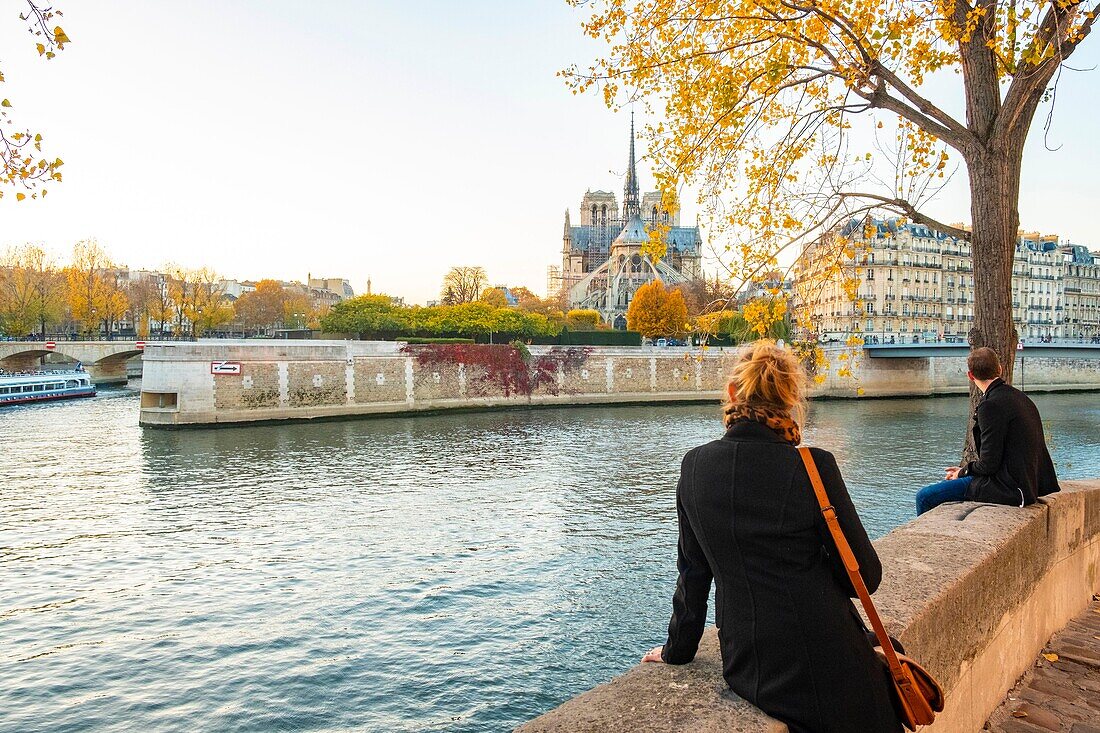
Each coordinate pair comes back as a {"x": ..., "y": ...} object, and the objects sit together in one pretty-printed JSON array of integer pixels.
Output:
[{"x": 508, "y": 370}]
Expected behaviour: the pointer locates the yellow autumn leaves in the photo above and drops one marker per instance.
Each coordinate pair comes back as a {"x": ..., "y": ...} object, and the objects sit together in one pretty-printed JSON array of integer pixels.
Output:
[
  {"x": 656, "y": 312},
  {"x": 18, "y": 167},
  {"x": 59, "y": 38}
]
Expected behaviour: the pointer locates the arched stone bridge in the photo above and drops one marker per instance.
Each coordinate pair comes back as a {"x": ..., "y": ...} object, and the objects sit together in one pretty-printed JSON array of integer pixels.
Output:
[{"x": 104, "y": 360}]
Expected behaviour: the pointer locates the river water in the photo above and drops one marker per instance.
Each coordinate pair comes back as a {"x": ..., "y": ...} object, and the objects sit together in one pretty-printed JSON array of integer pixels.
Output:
[{"x": 452, "y": 573}]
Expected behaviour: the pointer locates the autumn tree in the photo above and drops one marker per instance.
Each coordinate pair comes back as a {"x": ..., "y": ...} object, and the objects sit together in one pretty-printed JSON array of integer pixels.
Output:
[
  {"x": 656, "y": 312},
  {"x": 477, "y": 319},
  {"x": 32, "y": 291},
  {"x": 583, "y": 320},
  {"x": 298, "y": 309},
  {"x": 263, "y": 308},
  {"x": 553, "y": 308},
  {"x": 463, "y": 285},
  {"x": 369, "y": 316},
  {"x": 524, "y": 297},
  {"x": 210, "y": 306},
  {"x": 724, "y": 323},
  {"x": 481, "y": 319},
  {"x": 115, "y": 302},
  {"x": 181, "y": 293},
  {"x": 161, "y": 306},
  {"x": 96, "y": 288},
  {"x": 494, "y": 297},
  {"x": 794, "y": 116},
  {"x": 145, "y": 297},
  {"x": 708, "y": 295},
  {"x": 198, "y": 300},
  {"x": 23, "y": 164}
]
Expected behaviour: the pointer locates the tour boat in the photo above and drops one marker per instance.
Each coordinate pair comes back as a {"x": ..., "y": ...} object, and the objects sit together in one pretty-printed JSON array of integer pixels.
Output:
[{"x": 41, "y": 386}]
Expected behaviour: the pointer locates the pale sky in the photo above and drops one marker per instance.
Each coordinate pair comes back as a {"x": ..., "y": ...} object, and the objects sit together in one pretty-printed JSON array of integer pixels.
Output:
[{"x": 353, "y": 139}]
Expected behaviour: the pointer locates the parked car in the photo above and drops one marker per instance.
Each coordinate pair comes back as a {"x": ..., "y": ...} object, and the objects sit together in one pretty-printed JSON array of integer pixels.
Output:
[{"x": 662, "y": 343}]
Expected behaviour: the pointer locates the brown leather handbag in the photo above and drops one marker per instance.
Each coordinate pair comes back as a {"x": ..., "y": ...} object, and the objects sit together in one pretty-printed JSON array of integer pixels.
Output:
[{"x": 917, "y": 695}]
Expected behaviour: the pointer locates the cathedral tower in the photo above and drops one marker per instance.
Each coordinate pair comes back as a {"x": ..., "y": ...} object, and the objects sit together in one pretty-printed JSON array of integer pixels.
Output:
[{"x": 631, "y": 202}]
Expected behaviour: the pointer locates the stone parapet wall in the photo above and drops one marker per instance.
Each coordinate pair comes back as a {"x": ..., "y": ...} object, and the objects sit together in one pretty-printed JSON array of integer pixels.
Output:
[
  {"x": 278, "y": 380},
  {"x": 973, "y": 591},
  {"x": 940, "y": 375},
  {"x": 281, "y": 380}
]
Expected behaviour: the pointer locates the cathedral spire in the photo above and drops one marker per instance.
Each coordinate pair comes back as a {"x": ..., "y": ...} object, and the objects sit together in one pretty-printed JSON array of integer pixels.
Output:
[{"x": 631, "y": 202}]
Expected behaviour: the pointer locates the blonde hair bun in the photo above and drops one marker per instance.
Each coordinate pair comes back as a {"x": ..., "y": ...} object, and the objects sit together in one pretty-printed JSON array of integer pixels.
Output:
[{"x": 767, "y": 374}]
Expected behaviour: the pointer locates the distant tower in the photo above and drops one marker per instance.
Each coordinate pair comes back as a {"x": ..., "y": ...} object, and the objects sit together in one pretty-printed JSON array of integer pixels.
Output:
[
  {"x": 368, "y": 284},
  {"x": 567, "y": 235},
  {"x": 631, "y": 202}
]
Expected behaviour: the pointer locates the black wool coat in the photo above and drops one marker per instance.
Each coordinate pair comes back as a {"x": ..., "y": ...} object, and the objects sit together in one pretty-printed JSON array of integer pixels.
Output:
[
  {"x": 1014, "y": 465},
  {"x": 791, "y": 640}
]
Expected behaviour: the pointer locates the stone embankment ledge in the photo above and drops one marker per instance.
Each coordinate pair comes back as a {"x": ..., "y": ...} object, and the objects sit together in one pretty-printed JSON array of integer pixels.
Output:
[
  {"x": 212, "y": 382},
  {"x": 944, "y": 375},
  {"x": 973, "y": 591},
  {"x": 219, "y": 381}
]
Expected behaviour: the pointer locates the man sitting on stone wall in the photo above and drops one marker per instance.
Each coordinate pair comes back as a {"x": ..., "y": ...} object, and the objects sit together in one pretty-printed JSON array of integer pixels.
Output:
[{"x": 1013, "y": 465}]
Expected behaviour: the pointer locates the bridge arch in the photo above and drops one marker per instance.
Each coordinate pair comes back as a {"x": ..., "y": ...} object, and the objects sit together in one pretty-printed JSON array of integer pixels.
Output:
[
  {"x": 26, "y": 358},
  {"x": 104, "y": 360},
  {"x": 120, "y": 356}
]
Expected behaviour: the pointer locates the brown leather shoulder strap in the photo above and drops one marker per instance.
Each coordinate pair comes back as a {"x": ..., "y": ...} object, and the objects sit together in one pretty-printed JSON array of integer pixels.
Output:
[{"x": 851, "y": 564}]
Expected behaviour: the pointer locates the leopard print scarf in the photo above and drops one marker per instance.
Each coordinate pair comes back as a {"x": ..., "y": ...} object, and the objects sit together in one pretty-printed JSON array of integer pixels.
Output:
[{"x": 775, "y": 418}]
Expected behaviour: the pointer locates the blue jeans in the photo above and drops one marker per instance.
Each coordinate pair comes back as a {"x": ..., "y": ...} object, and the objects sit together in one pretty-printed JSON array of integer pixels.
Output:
[{"x": 932, "y": 496}]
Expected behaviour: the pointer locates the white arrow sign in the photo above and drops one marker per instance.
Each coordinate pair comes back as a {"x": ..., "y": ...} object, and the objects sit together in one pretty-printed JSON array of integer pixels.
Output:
[{"x": 225, "y": 367}]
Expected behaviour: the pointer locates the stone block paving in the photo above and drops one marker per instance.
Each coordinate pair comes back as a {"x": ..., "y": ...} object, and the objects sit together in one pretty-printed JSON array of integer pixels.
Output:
[{"x": 1062, "y": 691}]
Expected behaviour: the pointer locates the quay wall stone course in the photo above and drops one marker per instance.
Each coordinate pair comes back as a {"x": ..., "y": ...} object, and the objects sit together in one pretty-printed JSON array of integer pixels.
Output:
[
  {"x": 379, "y": 379},
  {"x": 315, "y": 383},
  {"x": 316, "y": 379},
  {"x": 972, "y": 590},
  {"x": 257, "y": 387},
  {"x": 439, "y": 382},
  {"x": 632, "y": 374},
  {"x": 924, "y": 376}
]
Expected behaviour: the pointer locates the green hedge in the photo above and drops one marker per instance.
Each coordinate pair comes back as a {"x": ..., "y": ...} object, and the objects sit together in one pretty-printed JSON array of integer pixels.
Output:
[
  {"x": 418, "y": 340},
  {"x": 507, "y": 338},
  {"x": 600, "y": 338}
]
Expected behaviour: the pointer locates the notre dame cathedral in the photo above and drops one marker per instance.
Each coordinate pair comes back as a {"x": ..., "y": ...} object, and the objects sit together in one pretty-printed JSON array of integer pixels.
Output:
[{"x": 602, "y": 264}]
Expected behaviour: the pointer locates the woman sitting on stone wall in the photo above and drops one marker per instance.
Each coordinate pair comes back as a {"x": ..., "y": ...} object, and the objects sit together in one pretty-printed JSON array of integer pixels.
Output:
[{"x": 791, "y": 640}]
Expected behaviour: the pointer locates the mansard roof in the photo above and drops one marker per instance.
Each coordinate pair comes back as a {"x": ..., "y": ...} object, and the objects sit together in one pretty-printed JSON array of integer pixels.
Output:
[
  {"x": 598, "y": 239},
  {"x": 891, "y": 226}
]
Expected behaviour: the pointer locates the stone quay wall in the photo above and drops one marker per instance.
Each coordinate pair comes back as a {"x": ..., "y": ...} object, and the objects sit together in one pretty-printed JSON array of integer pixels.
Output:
[
  {"x": 279, "y": 380},
  {"x": 973, "y": 591},
  {"x": 943, "y": 375}
]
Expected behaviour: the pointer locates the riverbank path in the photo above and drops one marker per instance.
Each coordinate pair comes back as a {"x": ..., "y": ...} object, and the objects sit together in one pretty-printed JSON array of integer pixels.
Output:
[{"x": 1062, "y": 691}]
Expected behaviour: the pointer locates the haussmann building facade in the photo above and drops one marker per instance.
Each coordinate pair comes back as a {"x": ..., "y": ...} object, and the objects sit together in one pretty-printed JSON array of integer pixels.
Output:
[{"x": 916, "y": 285}]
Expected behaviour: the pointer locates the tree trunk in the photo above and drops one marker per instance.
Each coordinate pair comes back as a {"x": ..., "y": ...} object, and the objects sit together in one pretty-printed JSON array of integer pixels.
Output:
[
  {"x": 994, "y": 211},
  {"x": 994, "y": 197}
]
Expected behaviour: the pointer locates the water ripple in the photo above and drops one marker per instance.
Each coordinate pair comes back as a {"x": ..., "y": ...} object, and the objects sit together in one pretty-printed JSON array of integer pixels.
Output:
[{"x": 456, "y": 573}]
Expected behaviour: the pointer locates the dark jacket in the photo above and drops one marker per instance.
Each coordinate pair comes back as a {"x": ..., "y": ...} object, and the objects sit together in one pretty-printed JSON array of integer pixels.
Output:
[
  {"x": 1013, "y": 465},
  {"x": 791, "y": 641}
]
